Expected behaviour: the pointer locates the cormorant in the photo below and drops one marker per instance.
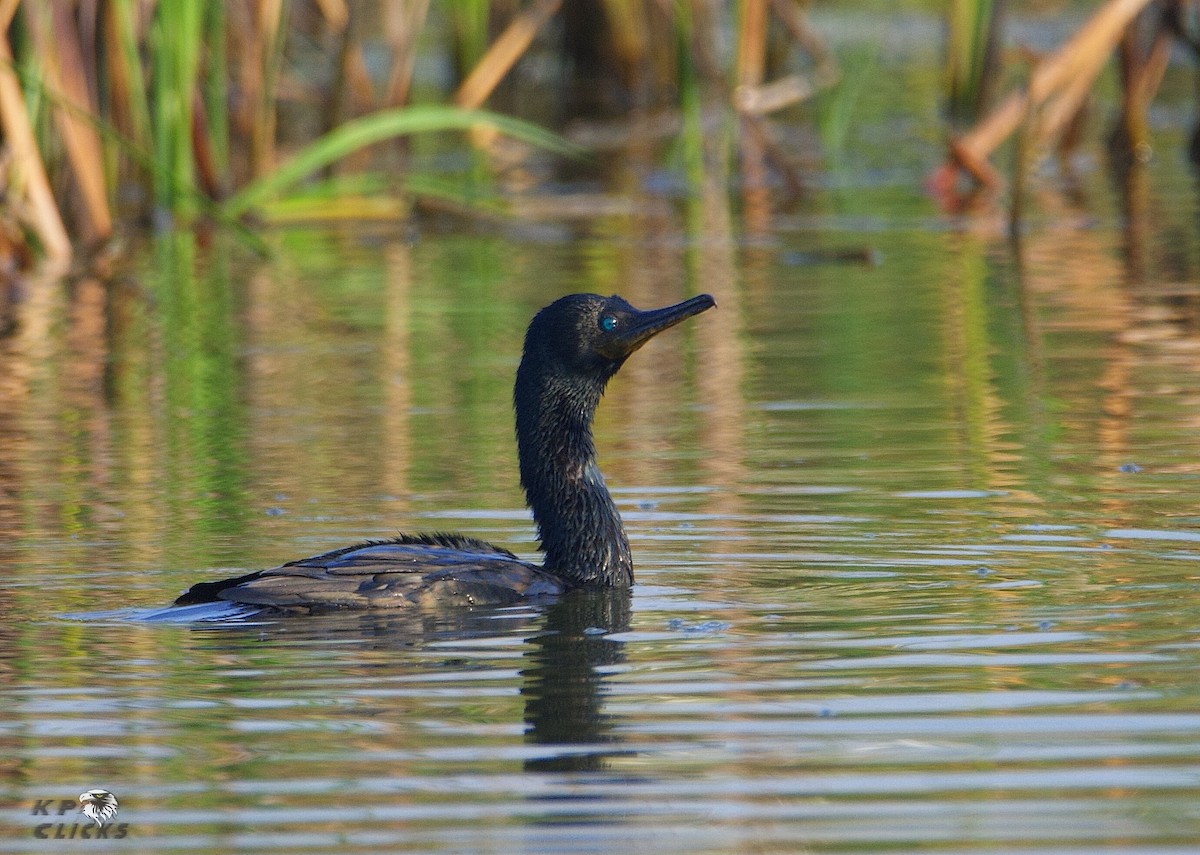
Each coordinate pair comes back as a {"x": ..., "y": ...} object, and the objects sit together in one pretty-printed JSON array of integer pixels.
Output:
[{"x": 572, "y": 348}]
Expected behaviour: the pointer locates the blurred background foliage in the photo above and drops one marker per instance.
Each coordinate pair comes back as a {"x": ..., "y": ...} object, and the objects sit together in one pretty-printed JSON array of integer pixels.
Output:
[{"x": 122, "y": 113}]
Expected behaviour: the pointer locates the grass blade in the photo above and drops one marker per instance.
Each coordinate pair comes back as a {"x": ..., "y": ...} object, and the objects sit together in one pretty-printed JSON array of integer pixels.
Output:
[{"x": 377, "y": 127}]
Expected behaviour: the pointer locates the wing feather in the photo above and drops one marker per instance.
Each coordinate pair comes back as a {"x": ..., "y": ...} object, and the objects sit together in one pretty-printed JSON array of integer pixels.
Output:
[{"x": 411, "y": 570}]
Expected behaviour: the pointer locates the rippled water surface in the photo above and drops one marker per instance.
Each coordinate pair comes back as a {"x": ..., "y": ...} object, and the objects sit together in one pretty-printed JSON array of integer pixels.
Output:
[{"x": 914, "y": 516}]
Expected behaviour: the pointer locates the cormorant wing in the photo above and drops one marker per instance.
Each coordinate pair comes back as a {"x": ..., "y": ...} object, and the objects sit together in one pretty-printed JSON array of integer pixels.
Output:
[{"x": 409, "y": 571}]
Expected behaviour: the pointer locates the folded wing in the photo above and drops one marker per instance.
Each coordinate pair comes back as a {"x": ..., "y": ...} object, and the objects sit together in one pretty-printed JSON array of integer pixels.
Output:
[{"x": 409, "y": 571}]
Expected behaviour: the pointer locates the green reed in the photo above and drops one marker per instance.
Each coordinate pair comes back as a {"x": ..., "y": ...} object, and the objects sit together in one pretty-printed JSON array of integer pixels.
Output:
[
  {"x": 176, "y": 40},
  {"x": 970, "y": 48},
  {"x": 216, "y": 109},
  {"x": 470, "y": 22},
  {"x": 184, "y": 96}
]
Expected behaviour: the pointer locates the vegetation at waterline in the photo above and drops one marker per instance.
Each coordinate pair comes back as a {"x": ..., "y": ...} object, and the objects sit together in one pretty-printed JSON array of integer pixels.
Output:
[
  {"x": 138, "y": 111},
  {"x": 173, "y": 110}
]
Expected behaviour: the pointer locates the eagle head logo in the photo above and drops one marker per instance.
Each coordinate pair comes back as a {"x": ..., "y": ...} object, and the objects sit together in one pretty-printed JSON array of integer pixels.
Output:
[{"x": 98, "y": 805}]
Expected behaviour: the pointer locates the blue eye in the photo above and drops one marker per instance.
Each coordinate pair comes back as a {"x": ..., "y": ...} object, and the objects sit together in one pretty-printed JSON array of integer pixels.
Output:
[{"x": 608, "y": 323}]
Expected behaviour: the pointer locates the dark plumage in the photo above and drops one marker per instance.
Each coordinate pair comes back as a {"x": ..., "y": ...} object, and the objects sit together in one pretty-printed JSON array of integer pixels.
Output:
[{"x": 572, "y": 348}]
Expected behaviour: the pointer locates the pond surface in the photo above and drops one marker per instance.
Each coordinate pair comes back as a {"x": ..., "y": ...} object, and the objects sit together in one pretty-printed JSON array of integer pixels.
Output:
[{"x": 913, "y": 511}]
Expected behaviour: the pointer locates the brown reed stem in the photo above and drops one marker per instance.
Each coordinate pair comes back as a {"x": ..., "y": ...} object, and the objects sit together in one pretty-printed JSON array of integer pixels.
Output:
[
  {"x": 404, "y": 51},
  {"x": 207, "y": 172},
  {"x": 262, "y": 76},
  {"x": 791, "y": 14},
  {"x": 26, "y": 159},
  {"x": 752, "y": 44},
  {"x": 504, "y": 53},
  {"x": 1075, "y": 63},
  {"x": 57, "y": 40}
]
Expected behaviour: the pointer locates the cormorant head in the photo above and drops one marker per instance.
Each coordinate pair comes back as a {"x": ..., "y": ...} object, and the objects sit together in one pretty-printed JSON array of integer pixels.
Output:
[
  {"x": 586, "y": 335},
  {"x": 573, "y": 347}
]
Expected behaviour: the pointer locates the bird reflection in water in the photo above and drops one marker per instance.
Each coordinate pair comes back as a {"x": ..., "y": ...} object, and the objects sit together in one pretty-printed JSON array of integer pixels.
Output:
[{"x": 563, "y": 690}]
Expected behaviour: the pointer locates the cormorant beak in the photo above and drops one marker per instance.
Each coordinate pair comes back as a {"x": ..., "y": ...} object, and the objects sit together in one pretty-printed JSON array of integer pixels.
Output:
[{"x": 645, "y": 325}]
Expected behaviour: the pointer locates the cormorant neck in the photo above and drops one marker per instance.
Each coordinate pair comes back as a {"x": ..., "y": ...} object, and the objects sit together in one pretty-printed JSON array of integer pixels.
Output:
[{"x": 578, "y": 524}]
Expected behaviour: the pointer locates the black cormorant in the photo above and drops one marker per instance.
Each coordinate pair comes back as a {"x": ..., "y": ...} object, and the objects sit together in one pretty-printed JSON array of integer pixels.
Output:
[{"x": 572, "y": 348}]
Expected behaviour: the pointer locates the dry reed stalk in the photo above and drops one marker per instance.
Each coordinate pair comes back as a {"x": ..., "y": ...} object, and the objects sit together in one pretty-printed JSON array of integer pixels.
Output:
[
  {"x": 208, "y": 174},
  {"x": 504, "y": 53},
  {"x": 1076, "y": 63},
  {"x": 402, "y": 33},
  {"x": 752, "y": 44},
  {"x": 791, "y": 15},
  {"x": 353, "y": 92},
  {"x": 126, "y": 80},
  {"x": 358, "y": 79},
  {"x": 27, "y": 160},
  {"x": 763, "y": 98},
  {"x": 341, "y": 73},
  {"x": 1142, "y": 72},
  {"x": 263, "y": 58},
  {"x": 772, "y": 97},
  {"x": 619, "y": 133},
  {"x": 703, "y": 40},
  {"x": 57, "y": 40},
  {"x": 335, "y": 12},
  {"x": 630, "y": 35},
  {"x": 766, "y": 148},
  {"x": 749, "y": 69},
  {"x": 753, "y": 99},
  {"x": 1155, "y": 67},
  {"x": 243, "y": 54}
]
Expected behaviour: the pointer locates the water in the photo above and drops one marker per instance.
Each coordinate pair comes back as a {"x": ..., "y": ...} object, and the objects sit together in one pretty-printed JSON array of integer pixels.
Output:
[{"x": 913, "y": 514}]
